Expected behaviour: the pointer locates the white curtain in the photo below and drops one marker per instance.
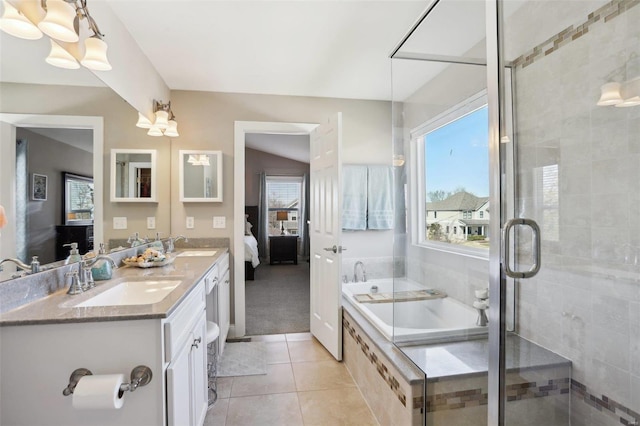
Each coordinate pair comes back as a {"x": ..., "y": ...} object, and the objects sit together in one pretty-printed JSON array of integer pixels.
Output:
[{"x": 263, "y": 217}]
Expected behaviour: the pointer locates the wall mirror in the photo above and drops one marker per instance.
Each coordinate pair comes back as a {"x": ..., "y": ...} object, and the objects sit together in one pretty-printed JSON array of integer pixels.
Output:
[
  {"x": 133, "y": 175},
  {"x": 200, "y": 176}
]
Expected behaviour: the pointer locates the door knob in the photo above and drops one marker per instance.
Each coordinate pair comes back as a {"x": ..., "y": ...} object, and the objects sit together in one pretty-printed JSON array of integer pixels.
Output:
[{"x": 335, "y": 249}]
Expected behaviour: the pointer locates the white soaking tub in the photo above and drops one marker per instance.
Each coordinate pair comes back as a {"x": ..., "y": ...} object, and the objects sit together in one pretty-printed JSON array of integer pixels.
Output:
[{"x": 420, "y": 321}]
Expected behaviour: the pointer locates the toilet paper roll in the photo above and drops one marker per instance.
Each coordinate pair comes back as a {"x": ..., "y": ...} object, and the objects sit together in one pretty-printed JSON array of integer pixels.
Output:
[{"x": 99, "y": 392}]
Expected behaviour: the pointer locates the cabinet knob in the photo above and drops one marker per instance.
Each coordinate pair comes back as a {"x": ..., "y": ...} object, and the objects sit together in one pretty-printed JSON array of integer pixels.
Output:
[{"x": 196, "y": 342}]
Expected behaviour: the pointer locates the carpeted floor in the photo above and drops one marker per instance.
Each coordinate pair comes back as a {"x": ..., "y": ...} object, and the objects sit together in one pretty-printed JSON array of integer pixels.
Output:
[{"x": 277, "y": 301}]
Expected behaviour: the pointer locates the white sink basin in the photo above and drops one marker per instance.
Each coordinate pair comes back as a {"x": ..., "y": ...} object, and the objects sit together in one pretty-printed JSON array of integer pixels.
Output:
[
  {"x": 191, "y": 253},
  {"x": 133, "y": 293}
]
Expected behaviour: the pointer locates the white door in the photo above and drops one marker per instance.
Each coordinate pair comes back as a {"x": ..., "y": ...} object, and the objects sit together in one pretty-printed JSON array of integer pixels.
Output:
[{"x": 324, "y": 233}]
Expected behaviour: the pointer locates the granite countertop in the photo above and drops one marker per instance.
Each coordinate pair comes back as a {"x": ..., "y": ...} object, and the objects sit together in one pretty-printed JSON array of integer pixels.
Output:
[{"x": 59, "y": 307}]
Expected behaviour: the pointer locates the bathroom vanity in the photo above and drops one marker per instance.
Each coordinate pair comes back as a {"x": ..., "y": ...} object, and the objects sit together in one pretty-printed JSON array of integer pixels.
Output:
[{"x": 44, "y": 341}]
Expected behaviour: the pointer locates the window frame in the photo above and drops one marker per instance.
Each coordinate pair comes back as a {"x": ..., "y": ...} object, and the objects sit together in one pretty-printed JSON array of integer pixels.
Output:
[
  {"x": 418, "y": 178},
  {"x": 288, "y": 179}
]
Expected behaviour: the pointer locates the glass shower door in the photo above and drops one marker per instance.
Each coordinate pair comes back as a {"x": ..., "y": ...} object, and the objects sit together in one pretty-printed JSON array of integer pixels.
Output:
[{"x": 575, "y": 79}]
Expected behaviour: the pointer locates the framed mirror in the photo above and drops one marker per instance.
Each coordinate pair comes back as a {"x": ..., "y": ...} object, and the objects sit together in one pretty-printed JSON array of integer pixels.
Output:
[
  {"x": 78, "y": 199},
  {"x": 200, "y": 176},
  {"x": 133, "y": 175}
]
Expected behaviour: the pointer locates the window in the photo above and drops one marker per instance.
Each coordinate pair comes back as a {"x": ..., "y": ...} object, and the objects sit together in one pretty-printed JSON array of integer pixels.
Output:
[
  {"x": 451, "y": 159},
  {"x": 283, "y": 195}
]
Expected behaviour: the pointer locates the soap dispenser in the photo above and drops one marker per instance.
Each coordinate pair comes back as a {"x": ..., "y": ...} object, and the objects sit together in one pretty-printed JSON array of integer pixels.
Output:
[
  {"x": 74, "y": 254},
  {"x": 102, "y": 269}
]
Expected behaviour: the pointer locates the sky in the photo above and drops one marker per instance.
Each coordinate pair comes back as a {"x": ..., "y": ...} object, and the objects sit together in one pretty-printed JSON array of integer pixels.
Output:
[{"x": 457, "y": 155}]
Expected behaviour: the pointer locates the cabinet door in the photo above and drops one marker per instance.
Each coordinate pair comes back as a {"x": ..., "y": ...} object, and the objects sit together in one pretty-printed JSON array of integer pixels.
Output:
[
  {"x": 199, "y": 371},
  {"x": 179, "y": 388},
  {"x": 224, "y": 310}
]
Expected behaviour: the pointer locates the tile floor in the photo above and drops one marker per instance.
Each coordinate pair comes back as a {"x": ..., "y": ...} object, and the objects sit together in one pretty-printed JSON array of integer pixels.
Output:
[{"x": 304, "y": 385}]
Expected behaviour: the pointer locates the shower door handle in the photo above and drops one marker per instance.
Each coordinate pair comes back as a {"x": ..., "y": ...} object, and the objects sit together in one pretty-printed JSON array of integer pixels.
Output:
[{"x": 506, "y": 245}]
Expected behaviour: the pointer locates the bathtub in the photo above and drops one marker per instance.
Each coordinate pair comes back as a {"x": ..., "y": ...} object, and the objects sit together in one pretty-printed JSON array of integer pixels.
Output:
[{"x": 424, "y": 320}]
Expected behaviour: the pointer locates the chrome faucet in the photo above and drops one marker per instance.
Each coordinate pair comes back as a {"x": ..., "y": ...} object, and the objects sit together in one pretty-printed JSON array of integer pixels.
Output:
[
  {"x": 481, "y": 305},
  {"x": 170, "y": 243},
  {"x": 135, "y": 240},
  {"x": 33, "y": 267},
  {"x": 355, "y": 272},
  {"x": 82, "y": 279}
]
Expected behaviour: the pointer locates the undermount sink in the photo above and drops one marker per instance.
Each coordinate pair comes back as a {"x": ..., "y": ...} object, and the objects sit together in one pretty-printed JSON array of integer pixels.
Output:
[
  {"x": 191, "y": 253},
  {"x": 133, "y": 293}
]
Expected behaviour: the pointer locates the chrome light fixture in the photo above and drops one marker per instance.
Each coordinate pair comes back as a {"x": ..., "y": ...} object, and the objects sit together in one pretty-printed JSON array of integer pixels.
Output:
[
  {"x": 622, "y": 93},
  {"x": 61, "y": 23},
  {"x": 164, "y": 124}
]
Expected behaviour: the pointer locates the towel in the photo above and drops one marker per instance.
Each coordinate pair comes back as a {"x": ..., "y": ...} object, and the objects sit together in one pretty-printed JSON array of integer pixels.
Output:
[
  {"x": 379, "y": 197},
  {"x": 354, "y": 197}
]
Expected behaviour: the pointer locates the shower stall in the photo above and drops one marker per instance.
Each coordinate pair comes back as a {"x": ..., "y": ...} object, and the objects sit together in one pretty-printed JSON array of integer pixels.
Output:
[{"x": 516, "y": 133}]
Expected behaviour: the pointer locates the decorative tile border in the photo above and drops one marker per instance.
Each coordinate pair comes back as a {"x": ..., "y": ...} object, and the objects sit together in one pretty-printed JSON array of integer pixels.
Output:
[
  {"x": 383, "y": 371},
  {"x": 625, "y": 415},
  {"x": 515, "y": 392},
  {"x": 606, "y": 13}
]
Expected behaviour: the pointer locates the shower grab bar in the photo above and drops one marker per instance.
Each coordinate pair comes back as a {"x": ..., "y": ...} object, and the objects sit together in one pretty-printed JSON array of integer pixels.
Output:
[{"x": 506, "y": 245}]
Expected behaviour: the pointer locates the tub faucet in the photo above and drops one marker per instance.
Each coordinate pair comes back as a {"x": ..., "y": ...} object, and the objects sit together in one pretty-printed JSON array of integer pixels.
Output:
[
  {"x": 481, "y": 305},
  {"x": 355, "y": 272},
  {"x": 33, "y": 267}
]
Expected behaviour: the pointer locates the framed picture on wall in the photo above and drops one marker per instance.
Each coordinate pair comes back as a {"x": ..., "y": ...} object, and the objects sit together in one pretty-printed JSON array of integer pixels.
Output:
[{"x": 39, "y": 187}]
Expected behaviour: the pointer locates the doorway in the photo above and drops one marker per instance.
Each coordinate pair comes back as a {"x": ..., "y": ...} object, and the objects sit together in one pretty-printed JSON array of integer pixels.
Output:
[{"x": 242, "y": 129}]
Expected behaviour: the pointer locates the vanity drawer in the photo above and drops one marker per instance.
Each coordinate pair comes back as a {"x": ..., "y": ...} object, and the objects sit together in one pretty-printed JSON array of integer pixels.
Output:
[
  {"x": 180, "y": 324},
  {"x": 211, "y": 279}
]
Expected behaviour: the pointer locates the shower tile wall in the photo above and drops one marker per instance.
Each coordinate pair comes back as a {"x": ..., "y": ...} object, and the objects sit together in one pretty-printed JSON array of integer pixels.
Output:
[{"x": 579, "y": 177}]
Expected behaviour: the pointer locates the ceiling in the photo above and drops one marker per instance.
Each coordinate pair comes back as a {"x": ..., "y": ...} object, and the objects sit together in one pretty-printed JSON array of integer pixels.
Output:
[
  {"x": 293, "y": 147},
  {"x": 78, "y": 138}
]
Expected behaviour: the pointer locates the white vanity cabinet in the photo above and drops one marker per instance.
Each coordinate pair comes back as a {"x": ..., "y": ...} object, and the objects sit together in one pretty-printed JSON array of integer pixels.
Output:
[
  {"x": 185, "y": 347},
  {"x": 224, "y": 301}
]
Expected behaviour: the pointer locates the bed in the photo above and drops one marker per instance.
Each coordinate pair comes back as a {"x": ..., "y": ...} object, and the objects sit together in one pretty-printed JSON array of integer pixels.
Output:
[{"x": 251, "y": 254}]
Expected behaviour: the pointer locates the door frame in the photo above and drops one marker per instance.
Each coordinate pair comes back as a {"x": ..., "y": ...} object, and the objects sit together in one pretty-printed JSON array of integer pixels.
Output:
[{"x": 241, "y": 128}]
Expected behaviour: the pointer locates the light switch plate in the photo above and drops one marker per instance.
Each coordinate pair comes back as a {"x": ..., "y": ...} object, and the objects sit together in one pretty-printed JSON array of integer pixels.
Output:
[
  {"x": 119, "y": 223},
  {"x": 190, "y": 222},
  {"x": 151, "y": 222},
  {"x": 219, "y": 222}
]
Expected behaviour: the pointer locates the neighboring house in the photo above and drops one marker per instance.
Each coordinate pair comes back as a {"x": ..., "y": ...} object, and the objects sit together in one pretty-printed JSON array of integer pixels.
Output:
[{"x": 459, "y": 216}]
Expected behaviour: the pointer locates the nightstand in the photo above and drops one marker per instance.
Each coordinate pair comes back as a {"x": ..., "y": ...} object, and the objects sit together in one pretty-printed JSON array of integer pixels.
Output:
[{"x": 283, "y": 248}]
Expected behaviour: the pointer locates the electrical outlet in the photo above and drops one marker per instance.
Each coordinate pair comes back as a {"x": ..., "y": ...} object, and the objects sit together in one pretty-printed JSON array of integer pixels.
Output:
[
  {"x": 219, "y": 222},
  {"x": 151, "y": 222},
  {"x": 190, "y": 222},
  {"x": 119, "y": 223}
]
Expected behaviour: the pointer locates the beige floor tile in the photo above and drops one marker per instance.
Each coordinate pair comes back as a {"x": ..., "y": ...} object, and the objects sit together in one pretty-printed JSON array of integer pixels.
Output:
[
  {"x": 335, "y": 407},
  {"x": 279, "y": 379},
  {"x": 280, "y": 409},
  {"x": 307, "y": 350},
  {"x": 269, "y": 338},
  {"x": 277, "y": 353},
  {"x": 224, "y": 386},
  {"x": 217, "y": 415},
  {"x": 296, "y": 337},
  {"x": 321, "y": 375}
]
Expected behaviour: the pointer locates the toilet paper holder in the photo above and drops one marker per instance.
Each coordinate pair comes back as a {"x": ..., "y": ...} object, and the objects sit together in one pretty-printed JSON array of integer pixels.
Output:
[{"x": 140, "y": 376}]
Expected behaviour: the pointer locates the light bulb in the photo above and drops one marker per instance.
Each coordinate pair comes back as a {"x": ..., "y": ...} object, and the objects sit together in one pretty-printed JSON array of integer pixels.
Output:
[
  {"x": 95, "y": 55},
  {"x": 58, "y": 22},
  {"x": 13, "y": 22},
  {"x": 143, "y": 121},
  {"x": 154, "y": 131},
  {"x": 172, "y": 129},
  {"x": 162, "y": 119},
  {"x": 58, "y": 57}
]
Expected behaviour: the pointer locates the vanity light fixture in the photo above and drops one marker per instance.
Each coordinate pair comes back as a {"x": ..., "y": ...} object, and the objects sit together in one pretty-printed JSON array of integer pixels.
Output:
[
  {"x": 58, "y": 57},
  {"x": 623, "y": 92},
  {"x": 199, "y": 160},
  {"x": 60, "y": 23},
  {"x": 164, "y": 124},
  {"x": 13, "y": 22}
]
